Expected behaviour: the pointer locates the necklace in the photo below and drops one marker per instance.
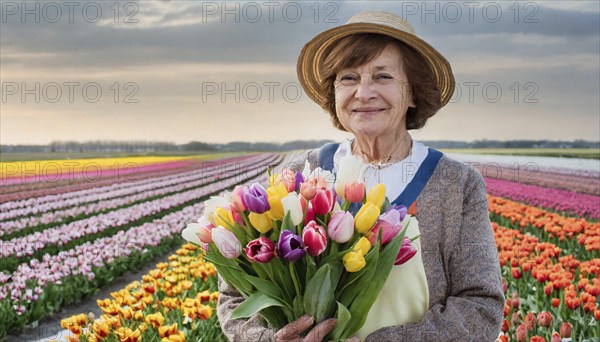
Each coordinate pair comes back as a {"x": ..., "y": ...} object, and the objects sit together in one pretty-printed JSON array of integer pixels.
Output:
[
  {"x": 382, "y": 162},
  {"x": 376, "y": 167}
]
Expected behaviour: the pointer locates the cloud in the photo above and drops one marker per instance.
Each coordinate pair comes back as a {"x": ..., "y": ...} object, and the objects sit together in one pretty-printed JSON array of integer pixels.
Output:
[{"x": 175, "y": 48}]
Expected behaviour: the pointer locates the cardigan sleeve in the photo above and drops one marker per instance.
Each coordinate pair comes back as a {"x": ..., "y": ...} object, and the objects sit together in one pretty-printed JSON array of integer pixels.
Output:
[
  {"x": 473, "y": 310},
  {"x": 251, "y": 329}
]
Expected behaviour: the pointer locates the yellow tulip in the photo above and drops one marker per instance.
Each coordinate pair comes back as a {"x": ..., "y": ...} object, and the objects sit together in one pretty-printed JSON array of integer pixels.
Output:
[
  {"x": 354, "y": 261},
  {"x": 167, "y": 330},
  {"x": 261, "y": 222},
  {"x": 156, "y": 319},
  {"x": 377, "y": 195},
  {"x": 275, "y": 194},
  {"x": 224, "y": 218},
  {"x": 366, "y": 217},
  {"x": 362, "y": 246}
]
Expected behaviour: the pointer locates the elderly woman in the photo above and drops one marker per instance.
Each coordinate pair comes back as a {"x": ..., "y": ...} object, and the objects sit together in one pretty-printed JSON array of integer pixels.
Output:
[{"x": 377, "y": 80}]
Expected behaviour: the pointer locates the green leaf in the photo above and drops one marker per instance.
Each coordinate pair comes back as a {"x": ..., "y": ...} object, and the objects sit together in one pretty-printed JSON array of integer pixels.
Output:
[
  {"x": 266, "y": 287},
  {"x": 343, "y": 317},
  {"x": 319, "y": 299},
  {"x": 253, "y": 304}
]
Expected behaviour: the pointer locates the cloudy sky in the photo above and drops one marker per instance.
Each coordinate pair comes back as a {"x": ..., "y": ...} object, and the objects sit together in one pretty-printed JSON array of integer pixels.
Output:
[{"x": 225, "y": 71}]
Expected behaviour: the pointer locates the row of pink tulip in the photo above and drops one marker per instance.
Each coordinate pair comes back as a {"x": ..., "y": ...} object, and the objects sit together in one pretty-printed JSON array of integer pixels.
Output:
[
  {"x": 61, "y": 235},
  {"x": 31, "y": 278},
  {"x": 49, "y": 203},
  {"x": 569, "y": 180},
  {"x": 571, "y": 203},
  {"x": 155, "y": 189}
]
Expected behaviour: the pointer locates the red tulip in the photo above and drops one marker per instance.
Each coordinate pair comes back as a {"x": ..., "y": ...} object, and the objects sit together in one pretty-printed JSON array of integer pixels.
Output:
[
  {"x": 537, "y": 338},
  {"x": 555, "y": 337},
  {"x": 407, "y": 251},
  {"x": 310, "y": 215},
  {"x": 565, "y": 329},
  {"x": 544, "y": 319},
  {"x": 323, "y": 201},
  {"x": 516, "y": 273},
  {"x": 521, "y": 333},
  {"x": 260, "y": 250},
  {"x": 314, "y": 238}
]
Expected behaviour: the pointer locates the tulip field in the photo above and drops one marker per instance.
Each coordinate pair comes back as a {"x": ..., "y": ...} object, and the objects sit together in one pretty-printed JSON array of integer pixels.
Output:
[{"x": 64, "y": 237}]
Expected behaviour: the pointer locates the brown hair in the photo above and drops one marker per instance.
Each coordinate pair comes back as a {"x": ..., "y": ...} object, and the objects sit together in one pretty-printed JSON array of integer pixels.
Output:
[{"x": 354, "y": 50}]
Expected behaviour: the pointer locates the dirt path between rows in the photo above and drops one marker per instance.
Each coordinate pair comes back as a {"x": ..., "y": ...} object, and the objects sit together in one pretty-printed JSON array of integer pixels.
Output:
[{"x": 50, "y": 328}]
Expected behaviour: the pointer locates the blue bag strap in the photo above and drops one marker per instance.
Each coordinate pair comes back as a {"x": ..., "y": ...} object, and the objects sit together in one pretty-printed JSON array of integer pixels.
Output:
[
  {"x": 417, "y": 184},
  {"x": 326, "y": 156}
]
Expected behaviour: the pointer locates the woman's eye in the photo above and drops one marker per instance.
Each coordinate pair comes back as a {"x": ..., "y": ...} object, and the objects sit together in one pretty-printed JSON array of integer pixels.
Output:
[
  {"x": 384, "y": 77},
  {"x": 348, "y": 78}
]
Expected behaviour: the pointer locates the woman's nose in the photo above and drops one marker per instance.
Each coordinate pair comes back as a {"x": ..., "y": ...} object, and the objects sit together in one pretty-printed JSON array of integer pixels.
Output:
[{"x": 365, "y": 89}]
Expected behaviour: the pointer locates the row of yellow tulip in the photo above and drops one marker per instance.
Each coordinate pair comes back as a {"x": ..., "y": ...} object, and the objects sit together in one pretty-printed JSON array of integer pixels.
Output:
[{"x": 173, "y": 302}]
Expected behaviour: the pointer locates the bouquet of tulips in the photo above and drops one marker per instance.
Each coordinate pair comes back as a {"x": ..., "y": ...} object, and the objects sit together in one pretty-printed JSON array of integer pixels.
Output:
[{"x": 302, "y": 246}]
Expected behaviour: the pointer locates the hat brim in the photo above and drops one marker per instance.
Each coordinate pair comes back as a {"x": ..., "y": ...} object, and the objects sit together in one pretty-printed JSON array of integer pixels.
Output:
[{"x": 309, "y": 67}]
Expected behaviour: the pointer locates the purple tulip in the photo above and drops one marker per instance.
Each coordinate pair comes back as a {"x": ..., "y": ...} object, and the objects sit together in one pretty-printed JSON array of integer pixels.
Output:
[
  {"x": 407, "y": 251},
  {"x": 256, "y": 199},
  {"x": 290, "y": 246},
  {"x": 299, "y": 180},
  {"x": 260, "y": 250}
]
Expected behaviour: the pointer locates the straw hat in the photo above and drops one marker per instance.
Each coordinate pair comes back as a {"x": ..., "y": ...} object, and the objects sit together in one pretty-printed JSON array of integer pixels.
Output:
[{"x": 310, "y": 61}]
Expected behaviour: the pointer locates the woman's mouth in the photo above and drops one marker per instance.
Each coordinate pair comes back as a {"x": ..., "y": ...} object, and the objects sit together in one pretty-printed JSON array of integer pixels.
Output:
[{"x": 368, "y": 110}]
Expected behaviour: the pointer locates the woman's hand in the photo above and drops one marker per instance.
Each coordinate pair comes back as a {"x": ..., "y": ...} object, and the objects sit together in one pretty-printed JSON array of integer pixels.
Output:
[{"x": 292, "y": 332}]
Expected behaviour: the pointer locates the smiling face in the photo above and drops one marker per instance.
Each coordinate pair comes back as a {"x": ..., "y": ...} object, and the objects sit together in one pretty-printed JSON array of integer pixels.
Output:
[{"x": 372, "y": 98}]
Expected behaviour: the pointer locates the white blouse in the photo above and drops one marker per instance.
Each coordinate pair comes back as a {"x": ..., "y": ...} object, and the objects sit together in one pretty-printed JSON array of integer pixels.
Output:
[{"x": 395, "y": 176}]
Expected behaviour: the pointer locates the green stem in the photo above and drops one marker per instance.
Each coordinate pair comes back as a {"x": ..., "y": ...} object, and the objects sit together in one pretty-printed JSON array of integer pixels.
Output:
[{"x": 293, "y": 273}]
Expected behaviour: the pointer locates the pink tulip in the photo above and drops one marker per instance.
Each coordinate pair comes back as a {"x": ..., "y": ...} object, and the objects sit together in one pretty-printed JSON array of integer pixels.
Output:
[
  {"x": 226, "y": 242},
  {"x": 390, "y": 223},
  {"x": 261, "y": 250},
  {"x": 407, "y": 251},
  {"x": 313, "y": 236},
  {"x": 521, "y": 333},
  {"x": 323, "y": 201},
  {"x": 341, "y": 226},
  {"x": 354, "y": 191},
  {"x": 288, "y": 178},
  {"x": 308, "y": 189},
  {"x": 237, "y": 200},
  {"x": 204, "y": 233}
]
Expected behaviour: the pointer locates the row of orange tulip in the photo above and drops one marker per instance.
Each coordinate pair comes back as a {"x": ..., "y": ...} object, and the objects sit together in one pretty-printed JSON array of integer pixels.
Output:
[
  {"x": 542, "y": 278},
  {"x": 566, "y": 232}
]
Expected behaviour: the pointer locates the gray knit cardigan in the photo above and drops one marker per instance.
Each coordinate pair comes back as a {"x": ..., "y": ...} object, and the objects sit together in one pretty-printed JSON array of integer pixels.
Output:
[{"x": 459, "y": 254}]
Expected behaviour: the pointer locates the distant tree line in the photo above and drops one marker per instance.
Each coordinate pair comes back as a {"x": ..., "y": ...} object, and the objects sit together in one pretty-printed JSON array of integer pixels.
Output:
[{"x": 196, "y": 146}]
